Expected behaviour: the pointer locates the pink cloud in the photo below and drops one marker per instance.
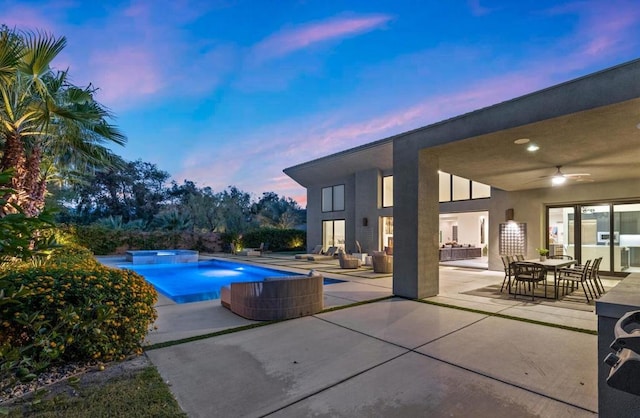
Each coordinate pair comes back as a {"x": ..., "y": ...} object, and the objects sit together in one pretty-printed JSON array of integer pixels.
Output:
[
  {"x": 26, "y": 18},
  {"x": 291, "y": 40},
  {"x": 125, "y": 73},
  {"x": 603, "y": 29}
]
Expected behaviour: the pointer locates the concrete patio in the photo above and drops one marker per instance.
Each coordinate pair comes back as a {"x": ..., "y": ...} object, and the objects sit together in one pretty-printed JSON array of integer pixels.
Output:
[{"x": 392, "y": 357}]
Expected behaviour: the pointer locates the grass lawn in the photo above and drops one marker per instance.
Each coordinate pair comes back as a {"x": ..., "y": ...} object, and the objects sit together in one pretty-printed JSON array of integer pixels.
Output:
[{"x": 136, "y": 393}]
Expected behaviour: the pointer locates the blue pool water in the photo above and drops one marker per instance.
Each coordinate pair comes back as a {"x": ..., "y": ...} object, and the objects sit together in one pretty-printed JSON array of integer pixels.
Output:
[{"x": 192, "y": 282}]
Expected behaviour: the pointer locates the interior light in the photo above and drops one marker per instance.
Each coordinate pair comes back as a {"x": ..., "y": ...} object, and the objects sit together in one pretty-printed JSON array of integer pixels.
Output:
[
  {"x": 521, "y": 141},
  {"x": 533, "y": 148},
  {"x": 558, "y": 179}
]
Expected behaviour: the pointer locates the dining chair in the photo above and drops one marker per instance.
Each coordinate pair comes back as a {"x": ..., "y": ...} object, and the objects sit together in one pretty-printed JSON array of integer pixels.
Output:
[
  {"x": 560, "y": 257},
  {"x": 595, "y": 277},
  {"x": 506, "y": 262},
  {"x": 519, "y": 257},
  {"x": 578, "y": 275},
  {"x": 530, "y": 274}
]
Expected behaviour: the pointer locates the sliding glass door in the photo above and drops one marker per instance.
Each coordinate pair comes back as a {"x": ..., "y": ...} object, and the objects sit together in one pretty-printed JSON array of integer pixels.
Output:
[
  {"x": 590, "y": 231},
  {"x": 333, "y": 233}
]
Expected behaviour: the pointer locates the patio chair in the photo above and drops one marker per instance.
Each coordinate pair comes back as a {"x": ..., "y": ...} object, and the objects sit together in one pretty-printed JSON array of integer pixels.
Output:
[
  {"x": 574, "y": 276},
  {"x": 347, "y": 261},
  {"x": 595, "y": 277},
  {"x": 382, "y": 263},
  {"x": 316, "y": 250},
  {"x": 530, "y": 274},
  {"x": 506, "y": 262}
]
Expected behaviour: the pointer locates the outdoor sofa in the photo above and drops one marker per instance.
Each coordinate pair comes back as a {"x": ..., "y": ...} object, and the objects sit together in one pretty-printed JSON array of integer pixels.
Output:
[{"x": 275, "y": 298}]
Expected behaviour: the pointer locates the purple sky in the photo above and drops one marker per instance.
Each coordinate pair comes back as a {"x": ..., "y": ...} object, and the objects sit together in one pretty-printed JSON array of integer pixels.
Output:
[{"x": 232, "y": 92}]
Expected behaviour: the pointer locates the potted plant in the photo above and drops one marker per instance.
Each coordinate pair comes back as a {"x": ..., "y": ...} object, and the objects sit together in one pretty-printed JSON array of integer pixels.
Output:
[{"x": 543, "y": 253}]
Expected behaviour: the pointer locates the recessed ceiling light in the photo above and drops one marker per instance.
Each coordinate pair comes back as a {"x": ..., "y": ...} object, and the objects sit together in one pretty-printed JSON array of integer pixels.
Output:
[
  {"x": 638, "y": 126},
  {"x": 521, "y": 141},
  {"x": 533, "y": 148}
]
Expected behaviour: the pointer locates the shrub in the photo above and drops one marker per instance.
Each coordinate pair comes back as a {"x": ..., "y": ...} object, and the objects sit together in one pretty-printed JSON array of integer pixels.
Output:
[
  {"x": 103, "y": 241},
  {"x": 70, "y": 308},
  {"x": 278, "y": 239}
]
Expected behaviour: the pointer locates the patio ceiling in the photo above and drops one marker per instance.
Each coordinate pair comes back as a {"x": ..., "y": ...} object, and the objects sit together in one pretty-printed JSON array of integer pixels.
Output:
[{"x": 602, "y": 142}]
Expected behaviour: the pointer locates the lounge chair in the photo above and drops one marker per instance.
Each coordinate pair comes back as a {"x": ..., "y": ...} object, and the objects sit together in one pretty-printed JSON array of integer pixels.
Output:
[
  {"x": 316, "y": 250},
  {"x": 331, "y": 253},
  {"x": 253, "y": 251},
  {"x": 275, "y": 298}
]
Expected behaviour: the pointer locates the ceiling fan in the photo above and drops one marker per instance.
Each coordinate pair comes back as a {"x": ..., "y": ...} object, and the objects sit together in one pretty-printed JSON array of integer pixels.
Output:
[{"x": 559, "y": 177}]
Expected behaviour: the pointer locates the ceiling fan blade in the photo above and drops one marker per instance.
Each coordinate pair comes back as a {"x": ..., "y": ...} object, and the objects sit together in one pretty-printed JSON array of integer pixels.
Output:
[{"x": 577, "y": 175}]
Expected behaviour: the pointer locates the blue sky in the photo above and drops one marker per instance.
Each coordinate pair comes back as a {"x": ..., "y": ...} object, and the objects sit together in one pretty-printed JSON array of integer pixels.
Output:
[{"x": 231, "y": 92}]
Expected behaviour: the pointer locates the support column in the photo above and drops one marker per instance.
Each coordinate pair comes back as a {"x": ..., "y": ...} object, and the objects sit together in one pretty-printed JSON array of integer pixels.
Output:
[{"x": 416, "y": 222}]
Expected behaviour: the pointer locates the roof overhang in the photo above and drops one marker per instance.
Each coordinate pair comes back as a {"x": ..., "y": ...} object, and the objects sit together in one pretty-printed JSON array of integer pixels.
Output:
[{"x": 589, "y": 125}]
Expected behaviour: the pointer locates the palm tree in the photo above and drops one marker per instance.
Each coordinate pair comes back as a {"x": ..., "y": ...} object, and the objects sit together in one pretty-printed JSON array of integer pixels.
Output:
[{"x": 46, "y": 122}]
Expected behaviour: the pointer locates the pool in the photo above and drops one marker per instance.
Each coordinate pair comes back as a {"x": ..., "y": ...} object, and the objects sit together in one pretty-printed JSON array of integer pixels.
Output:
[{"x": 193, "y": 282}]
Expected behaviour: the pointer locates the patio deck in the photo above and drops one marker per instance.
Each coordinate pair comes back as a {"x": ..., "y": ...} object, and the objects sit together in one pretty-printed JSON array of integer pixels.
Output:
[{"x": 393, "y": 357}]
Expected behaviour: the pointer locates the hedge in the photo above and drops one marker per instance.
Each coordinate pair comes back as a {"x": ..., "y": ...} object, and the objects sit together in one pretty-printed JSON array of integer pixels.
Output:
[{"x": 277, "y": 239}]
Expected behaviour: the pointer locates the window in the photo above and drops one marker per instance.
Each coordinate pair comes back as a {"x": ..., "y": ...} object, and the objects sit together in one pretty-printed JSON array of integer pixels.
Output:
[
  {"x": 387, "y": 231},
  {"x": 445, "y": 186},
  {"x": 454, "y": 188},
  {"x": 387, "y": 191},
  {"x": 461, "y": 190},
  {"x": 333, "y": 233},
  {"x": 333, "y": 198},
  {"x": 480, "y": 190}
]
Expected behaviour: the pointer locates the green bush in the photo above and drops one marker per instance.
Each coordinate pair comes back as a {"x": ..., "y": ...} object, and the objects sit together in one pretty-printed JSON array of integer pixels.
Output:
[
  {"x": 70, "y": 308},
  {"x": 278, "y": 239},
  {"x": 103, "y": 241},
  {"x": 99, "y": 239}
]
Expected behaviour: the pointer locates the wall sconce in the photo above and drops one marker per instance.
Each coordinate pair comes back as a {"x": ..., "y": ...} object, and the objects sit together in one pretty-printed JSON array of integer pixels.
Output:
[
  {"x": 509, "y": 215},
  {"x": 365, "y": 222}
]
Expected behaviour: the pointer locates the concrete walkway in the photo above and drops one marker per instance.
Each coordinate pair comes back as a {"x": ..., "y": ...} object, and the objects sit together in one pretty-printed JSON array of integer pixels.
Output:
[
  {"x": 393, "y": 357},
  {"x": 389, "y": 358}
]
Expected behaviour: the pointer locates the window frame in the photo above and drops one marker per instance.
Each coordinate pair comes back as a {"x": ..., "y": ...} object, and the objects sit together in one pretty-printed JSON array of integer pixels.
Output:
[
  {"x": 333, "y": 194},
  {"x": 383, "y": 193}
]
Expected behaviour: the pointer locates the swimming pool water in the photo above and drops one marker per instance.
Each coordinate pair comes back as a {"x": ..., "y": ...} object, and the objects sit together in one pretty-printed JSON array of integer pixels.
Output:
[{"x": 193, "y": 282}]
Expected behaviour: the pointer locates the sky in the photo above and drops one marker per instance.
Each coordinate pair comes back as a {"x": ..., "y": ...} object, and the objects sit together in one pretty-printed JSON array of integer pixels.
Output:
[{"x": 231, "y": 92}]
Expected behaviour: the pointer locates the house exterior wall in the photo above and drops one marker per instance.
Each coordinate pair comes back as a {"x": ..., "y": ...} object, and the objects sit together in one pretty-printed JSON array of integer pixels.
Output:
[
  {"x": 362, "y": 200},
  {"x": 315, "y": 216}
]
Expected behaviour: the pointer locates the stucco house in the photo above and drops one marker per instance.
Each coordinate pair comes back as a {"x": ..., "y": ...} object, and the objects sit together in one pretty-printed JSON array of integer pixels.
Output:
[{"x": 492, "y": 171}]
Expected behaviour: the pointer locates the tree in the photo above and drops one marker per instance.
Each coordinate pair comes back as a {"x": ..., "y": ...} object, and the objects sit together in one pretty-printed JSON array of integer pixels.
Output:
[
  {"x": 275, "y": 211},
  {"x": 135, "y": 192},
  {"x": 236, "y": 211},
  {"x": 45, "y": 121}
]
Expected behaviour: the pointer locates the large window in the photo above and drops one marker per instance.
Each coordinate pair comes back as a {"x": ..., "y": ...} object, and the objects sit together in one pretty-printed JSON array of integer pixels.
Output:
[
  {"x": 333, "y": 198},
  {"x": 454, "y": 188},
  {"x": 333, "y": 233},
  {"x": 590, "y": 231},
  {"x": 387, "y": 191}
]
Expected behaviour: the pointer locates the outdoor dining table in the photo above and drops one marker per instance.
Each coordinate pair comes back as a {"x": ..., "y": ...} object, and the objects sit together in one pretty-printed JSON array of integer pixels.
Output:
[{"x": 554, "y": 264}]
